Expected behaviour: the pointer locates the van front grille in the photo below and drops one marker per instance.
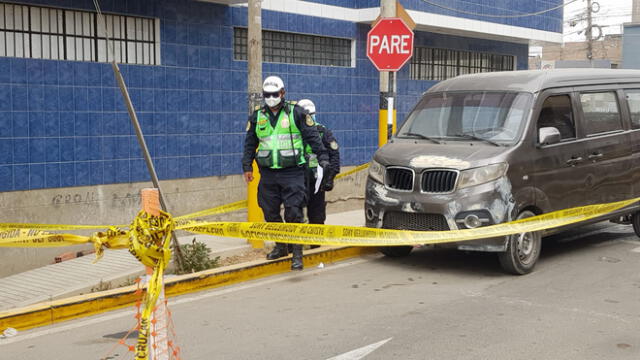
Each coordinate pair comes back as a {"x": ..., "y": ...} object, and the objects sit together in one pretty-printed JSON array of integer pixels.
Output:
[
  {"x": 399, "y": 179},
  {"x": 414, "y": 221},
  {"x": 439, "y": 181}
]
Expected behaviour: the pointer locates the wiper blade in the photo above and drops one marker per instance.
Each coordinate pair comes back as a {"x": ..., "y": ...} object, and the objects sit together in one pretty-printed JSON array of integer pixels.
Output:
[
  {"x": 421, "y": 137},
  {"x": 473, "y": 137}
]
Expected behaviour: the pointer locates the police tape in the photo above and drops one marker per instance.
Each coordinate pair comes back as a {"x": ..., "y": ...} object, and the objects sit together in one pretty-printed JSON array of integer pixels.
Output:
[
  {"x": 352, "y": 171},
  {"x": 222, "y": 209},
  {"x": 339, "y": 235}
]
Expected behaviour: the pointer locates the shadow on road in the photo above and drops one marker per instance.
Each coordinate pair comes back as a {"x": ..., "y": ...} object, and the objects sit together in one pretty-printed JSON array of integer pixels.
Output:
[{"x": 480, "y": 264}]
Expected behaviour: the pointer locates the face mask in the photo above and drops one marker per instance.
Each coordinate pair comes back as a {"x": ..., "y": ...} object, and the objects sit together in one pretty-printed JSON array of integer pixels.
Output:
[
  {"x": 272, "y": 102},
  {"x": 313, "y": 117}
]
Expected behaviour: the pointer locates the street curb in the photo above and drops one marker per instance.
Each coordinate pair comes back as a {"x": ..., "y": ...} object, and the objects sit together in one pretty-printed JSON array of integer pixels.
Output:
[{"x": 51, "y": 312}]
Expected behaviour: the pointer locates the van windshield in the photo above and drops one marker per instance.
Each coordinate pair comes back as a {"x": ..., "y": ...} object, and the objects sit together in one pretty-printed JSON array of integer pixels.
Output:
[{"x": 493, "y": 117}]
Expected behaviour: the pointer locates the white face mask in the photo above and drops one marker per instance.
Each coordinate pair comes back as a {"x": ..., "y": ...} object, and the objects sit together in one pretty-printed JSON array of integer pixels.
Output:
[{"x": 272, "y": 102}]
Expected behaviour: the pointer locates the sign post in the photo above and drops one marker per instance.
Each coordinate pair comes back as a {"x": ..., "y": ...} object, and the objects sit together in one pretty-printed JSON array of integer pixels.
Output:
[{"x": 389, "y": 47}]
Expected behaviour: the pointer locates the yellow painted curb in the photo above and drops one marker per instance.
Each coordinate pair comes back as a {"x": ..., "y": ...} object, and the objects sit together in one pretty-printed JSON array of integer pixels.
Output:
[{"x": 51, "y": 312}]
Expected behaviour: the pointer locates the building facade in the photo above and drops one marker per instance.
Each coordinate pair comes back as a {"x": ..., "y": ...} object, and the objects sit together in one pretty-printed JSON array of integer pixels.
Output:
[
  {"x": 66, "y": 142},
  {"x": 607, "y": 53}
]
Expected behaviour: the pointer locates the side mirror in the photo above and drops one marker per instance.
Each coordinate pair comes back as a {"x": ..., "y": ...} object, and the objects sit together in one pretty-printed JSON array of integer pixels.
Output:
[{"x": 549, "y": 135}]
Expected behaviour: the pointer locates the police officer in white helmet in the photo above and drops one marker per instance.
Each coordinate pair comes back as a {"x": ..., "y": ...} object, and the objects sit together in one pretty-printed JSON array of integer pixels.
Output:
[
  {"x": 316, "y": 205},
  {"x": 279, "y": 131}
]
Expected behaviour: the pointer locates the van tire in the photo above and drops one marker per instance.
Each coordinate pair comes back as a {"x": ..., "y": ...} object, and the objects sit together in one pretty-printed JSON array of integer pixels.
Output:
[
  {"x": 396, "y": 251},
  {"x": 635, "y": 221},
  {"x": 523, "y": 250}
]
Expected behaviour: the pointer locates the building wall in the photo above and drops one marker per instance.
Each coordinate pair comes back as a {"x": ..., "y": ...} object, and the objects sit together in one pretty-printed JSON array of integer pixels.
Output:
[
  {"x": 64, "y": 124},
  {"x": 610, "y": 48},
  {"x": 473, "y": 9},
  {"x": 631, "y": 46}
]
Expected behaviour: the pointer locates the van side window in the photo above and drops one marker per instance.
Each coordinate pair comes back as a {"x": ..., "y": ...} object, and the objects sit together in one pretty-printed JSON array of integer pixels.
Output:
[
  {"x": 633, "y": 99},
  {"x": 601, "y": 112},
  {"x": 557, "y": 112}
]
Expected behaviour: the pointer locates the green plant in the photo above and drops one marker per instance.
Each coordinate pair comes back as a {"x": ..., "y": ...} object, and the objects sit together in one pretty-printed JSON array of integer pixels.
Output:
[{"x": 197, "y": 257}]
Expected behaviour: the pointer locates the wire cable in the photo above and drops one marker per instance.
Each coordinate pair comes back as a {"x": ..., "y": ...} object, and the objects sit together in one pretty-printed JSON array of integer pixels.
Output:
[{"x": 497, "y": 16}]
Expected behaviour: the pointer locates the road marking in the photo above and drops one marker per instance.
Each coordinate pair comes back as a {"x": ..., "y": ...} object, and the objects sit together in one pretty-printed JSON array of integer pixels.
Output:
[
  {"x": 360, "y": 353},
  {"x": 28, "y": 335}
]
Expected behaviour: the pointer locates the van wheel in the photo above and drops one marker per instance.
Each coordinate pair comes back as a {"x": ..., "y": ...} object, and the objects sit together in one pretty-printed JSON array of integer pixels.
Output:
[
  {"x": 635, "y": 221},
  {"x": 396, "y": 251},
  {"x": 523, "y": 250}
]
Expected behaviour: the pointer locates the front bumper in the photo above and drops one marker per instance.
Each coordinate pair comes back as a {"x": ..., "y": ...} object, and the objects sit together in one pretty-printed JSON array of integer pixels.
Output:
[{"x": 491, "y": 202}]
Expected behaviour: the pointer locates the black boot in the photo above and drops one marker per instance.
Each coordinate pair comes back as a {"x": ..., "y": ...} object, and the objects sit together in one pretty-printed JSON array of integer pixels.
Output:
[
  {"x": 280, "y": 250},
  {"x": 296, "y": 260}
]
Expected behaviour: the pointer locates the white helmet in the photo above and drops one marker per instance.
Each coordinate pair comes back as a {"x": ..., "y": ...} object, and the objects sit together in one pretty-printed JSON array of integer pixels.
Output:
[
  {"x": 308, "y": 106},
  {"x": 272, "y": 84}
]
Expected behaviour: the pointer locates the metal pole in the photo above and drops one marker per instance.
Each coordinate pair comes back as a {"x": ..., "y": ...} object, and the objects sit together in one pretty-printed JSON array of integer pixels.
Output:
[
  {"x": 391, "y": 105},
  {"x": 145, "y": 153},
  {"x": 387, "y": 86}
]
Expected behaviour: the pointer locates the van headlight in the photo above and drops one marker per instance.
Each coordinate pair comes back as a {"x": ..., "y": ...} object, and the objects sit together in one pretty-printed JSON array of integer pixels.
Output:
[
  {"x": 376, "y": 171},
  {"x": 482, "y": 175}
]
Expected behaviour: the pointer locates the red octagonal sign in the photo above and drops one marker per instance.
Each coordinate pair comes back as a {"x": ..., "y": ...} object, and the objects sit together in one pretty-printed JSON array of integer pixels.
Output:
[{"x": 390, "y": 44}]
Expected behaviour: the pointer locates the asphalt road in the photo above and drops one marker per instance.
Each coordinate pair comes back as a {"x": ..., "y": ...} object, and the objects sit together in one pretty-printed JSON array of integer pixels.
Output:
[{"x": 582, "y": 302}]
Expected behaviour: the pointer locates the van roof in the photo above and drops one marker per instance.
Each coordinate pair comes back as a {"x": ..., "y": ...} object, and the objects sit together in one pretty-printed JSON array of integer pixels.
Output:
[{"x": 535, "y": 80}]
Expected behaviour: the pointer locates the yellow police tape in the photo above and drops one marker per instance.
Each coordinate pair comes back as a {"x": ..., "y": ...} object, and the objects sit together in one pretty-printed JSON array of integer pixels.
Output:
[
  {"x": 149, "y": 243},
  {"x": 352, "y": 171},
  {"x": 358, "y": 236},
  {"x": 323, "y": 234}
]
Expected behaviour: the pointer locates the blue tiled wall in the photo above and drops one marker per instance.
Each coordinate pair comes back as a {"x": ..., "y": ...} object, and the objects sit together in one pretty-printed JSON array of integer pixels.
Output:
[
  {"x": 474, "y": 9},
  {"x": 63, "y": 123}
]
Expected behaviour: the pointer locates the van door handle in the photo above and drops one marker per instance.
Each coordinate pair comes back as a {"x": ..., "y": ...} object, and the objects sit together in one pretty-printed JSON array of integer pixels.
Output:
[
  {"x": 574, "y": 161},
  {"x": 595, "y": 156}
]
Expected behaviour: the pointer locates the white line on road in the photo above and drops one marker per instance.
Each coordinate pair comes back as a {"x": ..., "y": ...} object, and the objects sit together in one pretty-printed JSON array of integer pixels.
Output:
[
  {"x": 360, "y": 353},
  {"x": 184, "y": 300}
]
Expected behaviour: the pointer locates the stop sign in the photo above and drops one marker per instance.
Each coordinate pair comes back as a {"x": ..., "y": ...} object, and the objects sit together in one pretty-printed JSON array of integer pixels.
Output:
[{"x": 390, "y": 44}]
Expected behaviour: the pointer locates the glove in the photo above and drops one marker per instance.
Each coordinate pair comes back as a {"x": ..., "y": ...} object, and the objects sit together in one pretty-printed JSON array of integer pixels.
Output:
[
  {"x": 325, "y": 164},
  {"x": 328, "y": 185},
  {"x": 327, "y": 178}
]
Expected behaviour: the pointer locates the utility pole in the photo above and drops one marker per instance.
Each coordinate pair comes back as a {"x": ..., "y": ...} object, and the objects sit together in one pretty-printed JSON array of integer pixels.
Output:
[
  {"x": 386, "y": 114},
  {"x": 635, "y": 11},
  {"x": 254, "y": 84},
  {"x": 589, "y": 32},
  {"x": 254, "y": 53}
]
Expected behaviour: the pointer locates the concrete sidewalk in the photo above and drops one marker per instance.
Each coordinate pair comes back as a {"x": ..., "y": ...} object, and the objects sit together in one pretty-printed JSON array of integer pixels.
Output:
[{"x": 117, "y": 267}]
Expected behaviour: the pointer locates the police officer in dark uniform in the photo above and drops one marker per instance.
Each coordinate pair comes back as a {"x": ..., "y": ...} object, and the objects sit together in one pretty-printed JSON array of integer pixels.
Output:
[
  {"x": 279, "y": 131},
  {"x": 316, "y": 205}
]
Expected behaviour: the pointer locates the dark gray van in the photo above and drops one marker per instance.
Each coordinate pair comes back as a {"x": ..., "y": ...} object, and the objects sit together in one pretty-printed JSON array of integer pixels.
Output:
[{"x": 489, "y": 148}]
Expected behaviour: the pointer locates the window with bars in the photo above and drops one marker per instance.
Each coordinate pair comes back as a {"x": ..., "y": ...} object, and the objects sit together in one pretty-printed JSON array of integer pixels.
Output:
[
  {"x": 61, "y": 34},
  {"x": 292, "y": 48},
  {"x": 441, "y": 64}
]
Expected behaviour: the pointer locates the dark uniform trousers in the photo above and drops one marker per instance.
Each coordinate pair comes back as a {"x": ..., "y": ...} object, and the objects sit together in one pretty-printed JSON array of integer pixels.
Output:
[
  {"x": 316, "y": 207},
  {"x": 285, "y": 186}
]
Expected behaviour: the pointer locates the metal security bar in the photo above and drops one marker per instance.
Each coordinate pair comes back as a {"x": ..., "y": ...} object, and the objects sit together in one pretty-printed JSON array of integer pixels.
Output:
[
  {"x": 60, "y": 34},
  {"x": 441, "y": 64},
  {"x": 292, "y": 48}
]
